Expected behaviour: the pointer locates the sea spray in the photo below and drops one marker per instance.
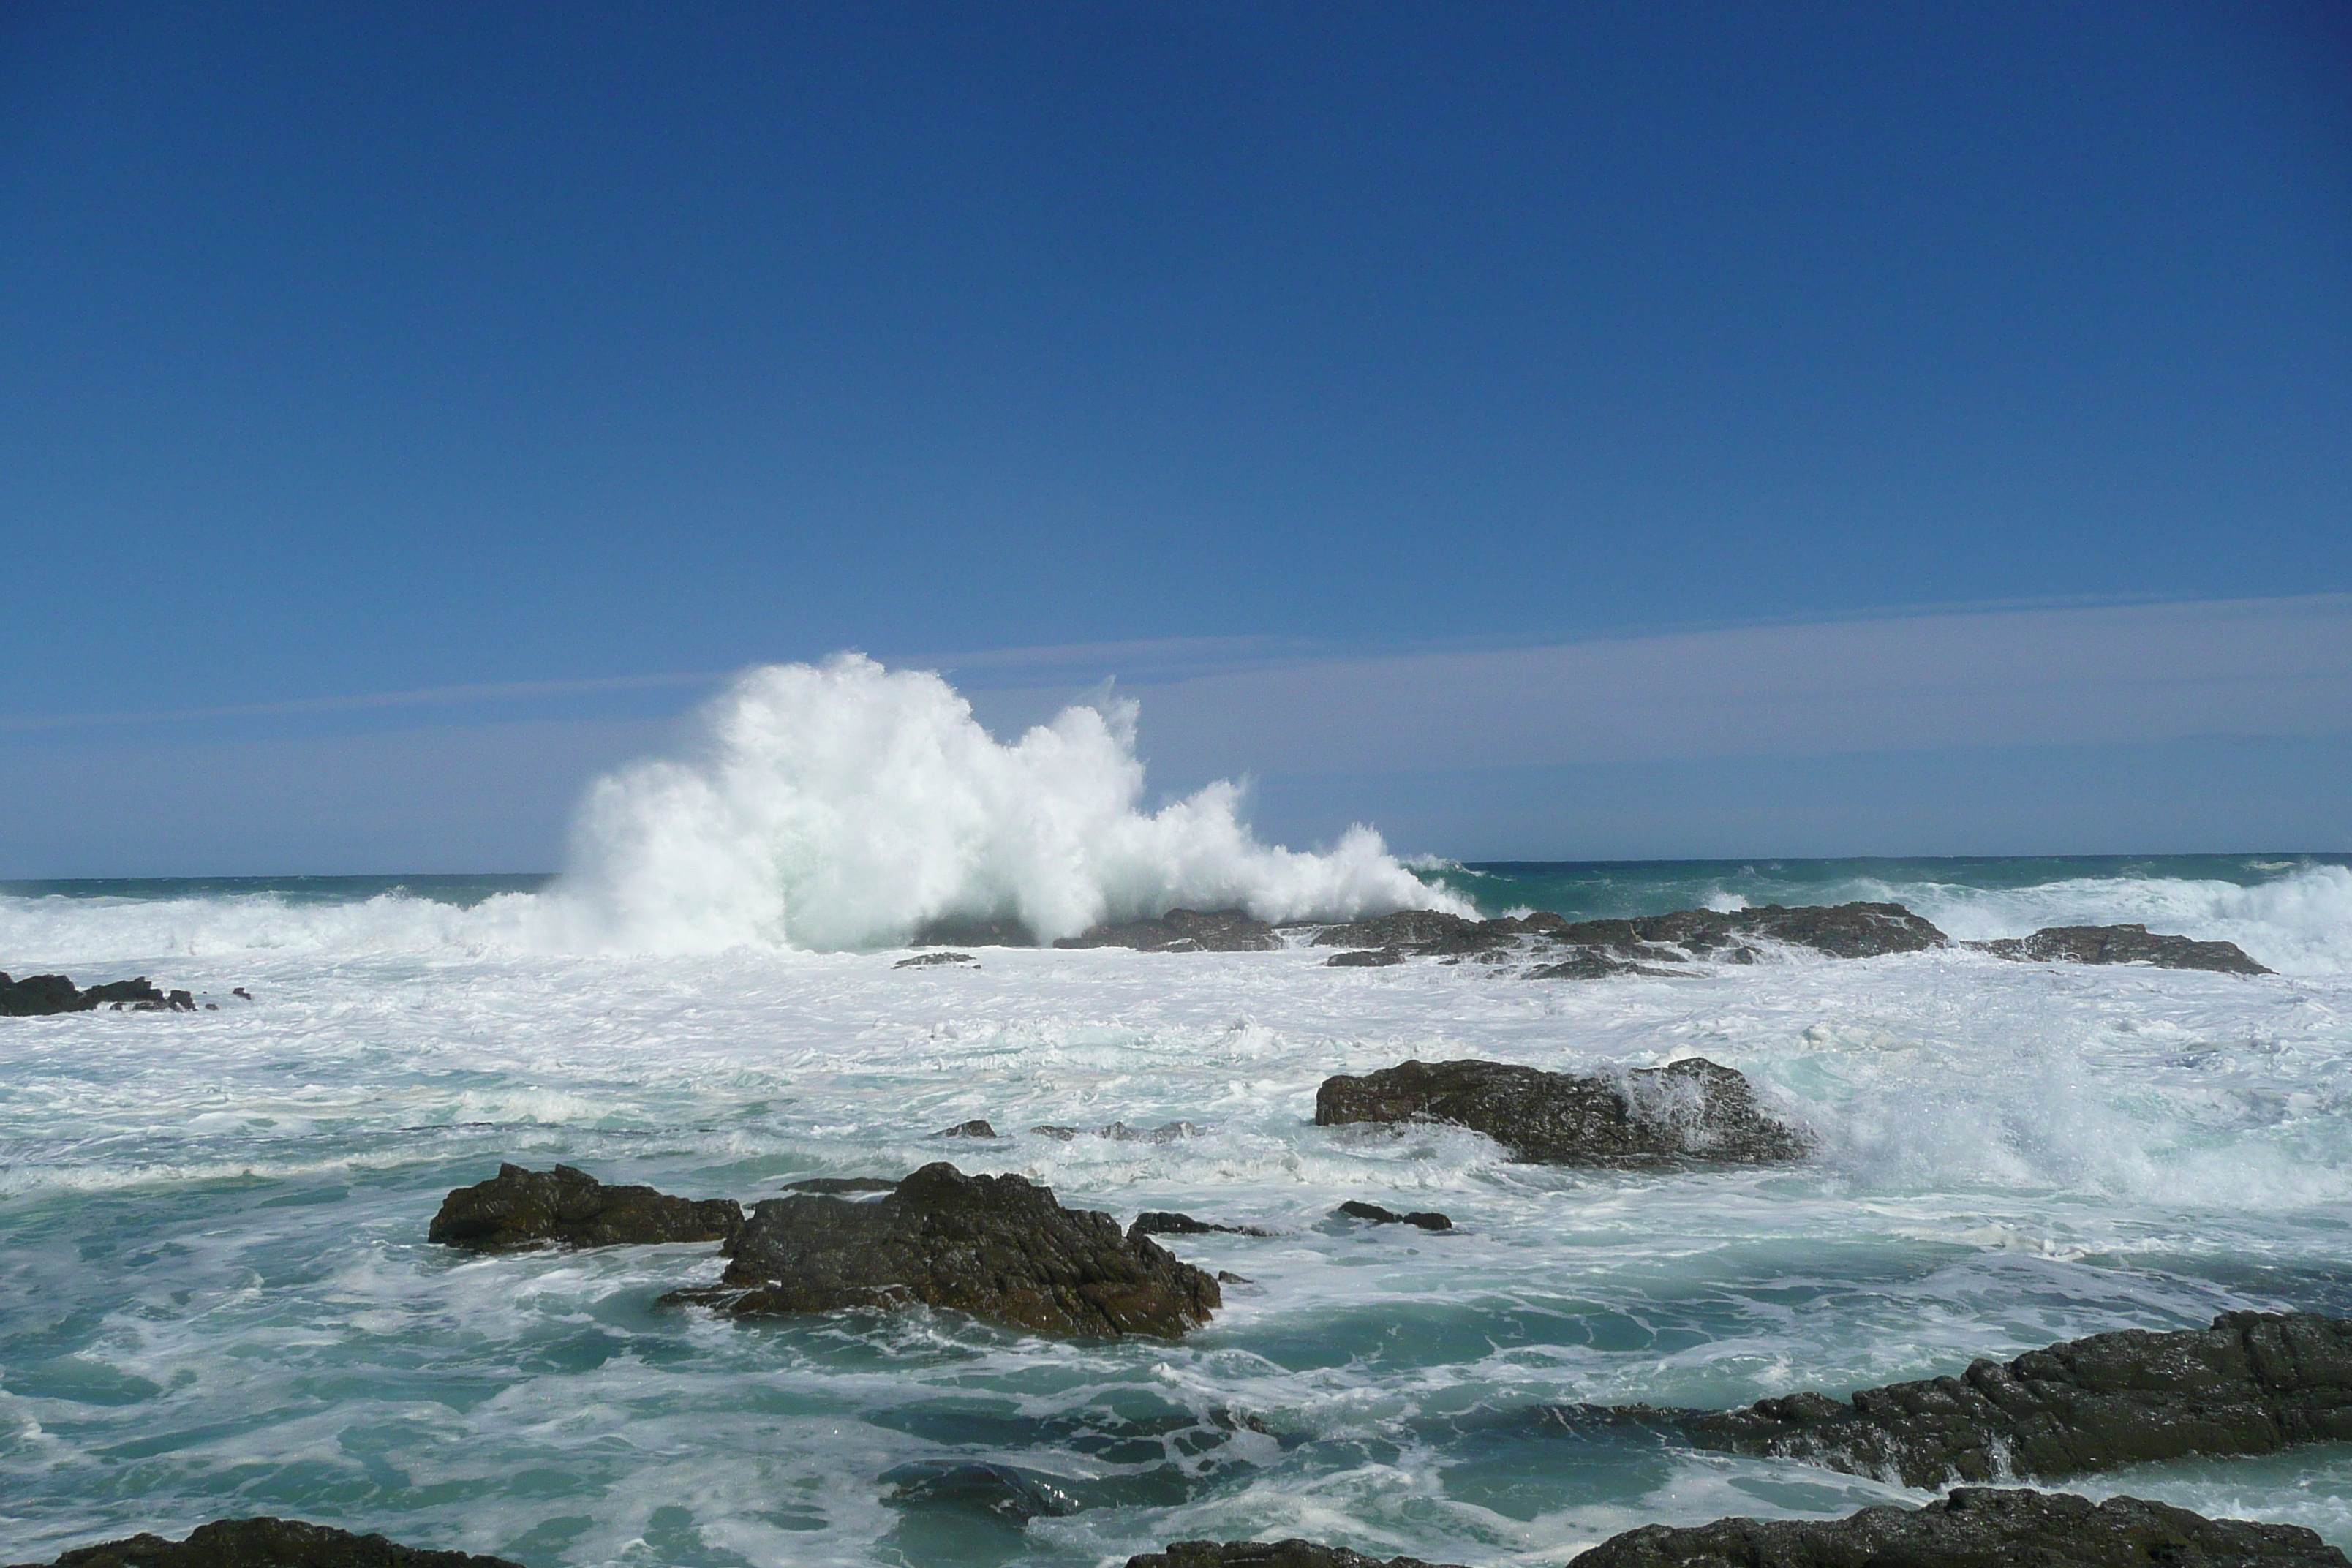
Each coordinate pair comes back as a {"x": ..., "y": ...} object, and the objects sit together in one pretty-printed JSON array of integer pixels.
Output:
[{"x": 844, "y": 806}]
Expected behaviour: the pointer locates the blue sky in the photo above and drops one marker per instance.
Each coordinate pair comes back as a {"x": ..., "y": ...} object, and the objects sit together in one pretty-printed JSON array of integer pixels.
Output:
[{"x": 544, "y": 363}]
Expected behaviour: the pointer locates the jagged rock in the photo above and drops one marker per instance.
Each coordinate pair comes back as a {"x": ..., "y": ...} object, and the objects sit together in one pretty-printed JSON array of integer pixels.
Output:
[
  {"x": 2122, "y": 944},
  {"x": 998, "y": 1247},
  {"x": 2253, "y": 1384},
  {"x": 972, "y": 1129},
  {"x": 1014, "y": 1496},
  {"x": 927, "y": 960},
  {"x": 39, "y": 994},
  {"x": 1355, "y": 1208},
  {"x": 962, "y": 931},
  {"x": 1693, "y": 1110},
  {"x": 1293, "y": 1553},
  {"x": 1184, "y": 931},
  {"x": 1840, "y": 930},
  {"x": 266, "y": 1542},
  {"x": 1366, "y": 958},
  {"x": 834, "y": 1186},
  {"x": 569, "y": 1208},
  {"x": 1975, "y": 1528},
  {"x": 1591, "y": 963},
  {"x": 1160, "y": 1221}
]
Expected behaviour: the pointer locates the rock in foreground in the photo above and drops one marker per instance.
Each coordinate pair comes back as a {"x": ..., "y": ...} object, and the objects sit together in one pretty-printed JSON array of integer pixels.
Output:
[
  {"x": 1976, "y": 1527},
  {"x": 1265, "y": 1554},
  {"x": 1693, "y": 1110},
  {"x": 267, "y": 1543},
  {"x": 568, "y": 1207},
  {"x": 2123, "y": 945},
  {"x": 1184, "y": 931},
  {"x": 2253, "y": 1384},
  {"x": 997, "y": 1248}
]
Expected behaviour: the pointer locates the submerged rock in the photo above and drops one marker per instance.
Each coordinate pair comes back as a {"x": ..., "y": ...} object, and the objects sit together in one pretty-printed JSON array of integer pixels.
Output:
[
  {"x": 266, "y": 1542},
  {"x": 1184, "y": 931},
  {"x": 930, "y": 960},
  {"x": 569, "y": 1208},
  {"x": 997, "y": 1248},
  {"x": 1291, "y": 1553},
  {"x": 38, "y": 996},
  {"x": 1355, "y": 1208},
  {"x": 1693, "y": 1110},
  {"x": 1160, "y": 1221},
  {"x": 1000, "y": 1491},
  {"x": 1366, "y": 958},
  {"x": 2253, "y": 1384},
  {"x": 1121, "y": 1133},
  {"x": 1975, "y": 1528},
  {"x": 2123, "y": 945}
]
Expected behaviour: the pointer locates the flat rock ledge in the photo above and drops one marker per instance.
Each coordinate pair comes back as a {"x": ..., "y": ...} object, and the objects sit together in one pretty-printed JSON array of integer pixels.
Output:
[
  {"x": 1976, "y": 1527},
  {"x": 2122, "y": 944},
  {"x": 266, "y": 1542},
  {"x": 2254, "y": 1383},
  {"x": 1291, "y": 1553},
  {"x": 568, "y": 1207},
  {"x": 1691, "y": 1111},
  {"x": 999, "y": 1248},
  {"x": 1184, "y": 931}
]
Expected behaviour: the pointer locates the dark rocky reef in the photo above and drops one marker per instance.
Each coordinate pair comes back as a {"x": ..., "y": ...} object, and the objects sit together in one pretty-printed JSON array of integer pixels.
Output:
[
  {"x": 1161, "y": 1222},
  {"x": 568, "y": 1207},
  {"x": 1266, "y": 1554},
  {"x": 1184, "y": 931},
  {"x": 1000, "y": 1491},
  {"x": 37, "y": 995},
  {"x": 1592, "y": 950},
  {"x": 2122, "y": 944},
  {"x": 997, "y": 1248},
  {"x": 2253, "y": 1384},
  {"x": 266, "y": 1542},
  {"x": 1355, "y": 1208},
  {"x": 1975, "y": 1528},
  {"x": 1691, "y": 1111}
]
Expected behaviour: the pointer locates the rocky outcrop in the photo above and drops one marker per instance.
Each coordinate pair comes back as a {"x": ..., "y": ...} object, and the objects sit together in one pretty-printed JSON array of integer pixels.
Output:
[
  {"x": 266, "y": 1542},
  {"x": 1691, "y": 1111},
  {"x": 1840, "y": 931},
  {"x": 1266, "y": 1554},
  {"x": 997, "y": 1248},
  {"x": 2122, "y": 944},
  {"x": 1184, "y": 931},
  {"x": 40, "y": 994},
  {"x": 975, "y": 1127},
  {"x": 569, "y": 1208},
  {"x": 1365, "y": 958},
  {"x": 2253, "y": 1384},
  {"x": 1355, "y": 1208},
  {"x": 1975, "y": 1528},
  {"x": 1161, "y": 1222}
]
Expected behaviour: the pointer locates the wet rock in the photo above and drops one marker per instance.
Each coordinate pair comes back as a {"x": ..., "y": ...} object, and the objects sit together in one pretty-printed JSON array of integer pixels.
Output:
[
  {"x": 240, "y": 990},
  {"x": 962, "y": 931},
  {"x": 569, "y": 1208},
  {"x": 1691, "y": 1111},
  {"x": 1406, "y": 928},
  {"x": 998, "y": 1247},
  {"x": 1184, "y": 931},
  {"x": 1266, "y": 1554},
  {"x": 1591, "y": 963},
  {"x": 1160, "y": 1221},
  {"x": 927, "y": 960},
  {"x": 836, "y": 1186},
  {"x": 1121, "y": 1133},
  {"x": 266, "y": 1542},
  {"x": 2253, "y": 1384},
  {"x": 2122, "y": 944},
  {"x": 1356, "y": 1209},
  {"x": 37, "y": 995},
  {"x": 1840, "y": 930},
  {"x": 972, "y": 1129},
  {"x": 1000, "y": 1491},
  {"x": 1975, "y": 1528},
  {"x": 1366, "y": 958}
]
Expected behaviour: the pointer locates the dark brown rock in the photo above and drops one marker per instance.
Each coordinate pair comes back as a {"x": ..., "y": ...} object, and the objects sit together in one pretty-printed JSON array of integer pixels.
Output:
[
  {"x": 1184, "y": 931},
  {"x": 2123, "y": 945},
  {"x": 266, "y": 1542},
  {"x": 997, "y": 1248},
  {"x": 1976, "y": 1527},
  {"x": 2253, "y": 1384},
  {"x": 1265, "y": 1554},
  {"x": 1355, "y": 1208},
  {"x": 1691, "y": 1111},
  {"x": 569, "y": 1208}
]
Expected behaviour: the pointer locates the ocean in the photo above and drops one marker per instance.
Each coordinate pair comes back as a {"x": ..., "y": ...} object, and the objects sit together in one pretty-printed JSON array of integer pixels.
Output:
[{"x": 217, "y": 1297}]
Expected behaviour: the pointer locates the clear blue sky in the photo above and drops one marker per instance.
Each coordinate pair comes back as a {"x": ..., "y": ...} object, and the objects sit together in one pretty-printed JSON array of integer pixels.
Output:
[{"x": 348, "y": 350}]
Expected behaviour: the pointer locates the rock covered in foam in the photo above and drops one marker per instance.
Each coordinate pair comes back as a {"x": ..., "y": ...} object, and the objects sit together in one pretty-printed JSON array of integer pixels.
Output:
[
  {"x": 998, "y": 1247},
  {"x": 1184, "y": 931},
  {"x": 1292, "y": 1553},
  {"x": 1691, "y": 1111},
  {"x": 1975, "y": 1528},
  {"x": 2123, "y": 945},
  {"x": 1425, "y": 1219},
  {"x": 569, "y": 1208},
  {"x": 2253, "y": 1384},
  {"x": 266, "y": 1542}
]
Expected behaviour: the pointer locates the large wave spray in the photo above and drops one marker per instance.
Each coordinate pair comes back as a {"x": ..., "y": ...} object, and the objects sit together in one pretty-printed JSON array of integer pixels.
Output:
[{"x": 845, "y": 806}]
